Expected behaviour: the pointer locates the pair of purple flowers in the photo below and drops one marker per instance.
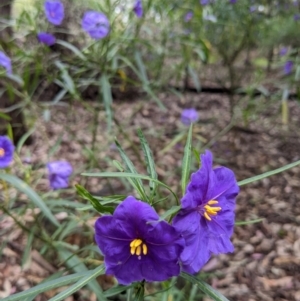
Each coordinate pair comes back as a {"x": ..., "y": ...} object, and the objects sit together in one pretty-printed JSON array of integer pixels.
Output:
[
  {"x": 138, "y": 246},
  {"x": 96, "y": 24}
]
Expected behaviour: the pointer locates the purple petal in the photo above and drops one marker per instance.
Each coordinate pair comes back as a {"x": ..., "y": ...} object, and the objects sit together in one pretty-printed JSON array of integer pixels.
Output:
[
  {"x": 6, "y": 151},
  {"x": 5, "y": 62},
  {"x": 95, "y": 24},
  {"x": 46, "y": 38},
  {"x": 54, "y": 11},
  {"x": 138, "y": 8}
]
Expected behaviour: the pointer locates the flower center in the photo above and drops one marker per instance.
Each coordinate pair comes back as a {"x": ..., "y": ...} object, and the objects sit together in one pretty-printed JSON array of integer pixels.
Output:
[
  {"x": 2, "y": 152},
  {"x": 137, "y": 246},
  {"x": 209, "y": 210}
]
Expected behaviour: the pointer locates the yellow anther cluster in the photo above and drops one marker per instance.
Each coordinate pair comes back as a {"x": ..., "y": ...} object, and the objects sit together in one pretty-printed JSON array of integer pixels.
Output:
[
  {"x": 209, "y": 210},
  {"x": 2, "y": 152},
  {"x": 137, "y": 247}
]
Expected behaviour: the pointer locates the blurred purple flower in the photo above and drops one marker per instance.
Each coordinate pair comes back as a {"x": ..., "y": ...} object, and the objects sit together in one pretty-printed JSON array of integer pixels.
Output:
[
  {"x": 5, "y": 62},
  {"x": 59, "y": 173},
  {"x": 54, "y": 11},
  {"x": 204, "y": 2},
  {"x": 6, "y": 151},
  {"x": 288, "y": 67},
  {"x": 232, "y": 1},
  {"x": 188, "y": 16},
  {"x": 189, "y": 116},
  {"x": 46, "y": 38},
  {"x": 138, "y": 8},
  {"x": 283, "y": 51},
  {"x": 206, "y": 220},
  {"x": 297, "y": 17},
  {"x": 253, "y": 8},
  {"x": 95, "y": 24},
  {"x": 136, "y": 245}
]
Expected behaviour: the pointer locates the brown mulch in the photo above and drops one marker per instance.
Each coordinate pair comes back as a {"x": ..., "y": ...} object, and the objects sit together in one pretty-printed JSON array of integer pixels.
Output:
[{"x": 266, "y": 261}]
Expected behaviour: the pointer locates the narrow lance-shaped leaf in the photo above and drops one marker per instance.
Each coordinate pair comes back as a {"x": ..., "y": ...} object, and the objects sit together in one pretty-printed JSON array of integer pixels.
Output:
[
  {"x": 95, "y": 203},
  {"x": 204, "y": 287},
  {"x": 186, "y": 162},
  {"x": 149, "y": 160},
  {"x": 32, "y": 195},
  {"x": 130, "y": 175},
  {"x": 136, "y": 182},
  {"x": 268, "y": 174},
  {"x": 78, "y": 285},
  {"x": 107, "y": 98}
]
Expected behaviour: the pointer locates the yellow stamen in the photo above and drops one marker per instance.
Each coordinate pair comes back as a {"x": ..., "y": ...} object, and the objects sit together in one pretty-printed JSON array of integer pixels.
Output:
[
  {"x": 138, "y": 251},
  {"x": 209, "y": 210},
  {"x": 2, "y": 152},
  {"x": 137, "y": 247},
  {"x": 145, "y": 249},
  {"x": 207, "y": 216}
]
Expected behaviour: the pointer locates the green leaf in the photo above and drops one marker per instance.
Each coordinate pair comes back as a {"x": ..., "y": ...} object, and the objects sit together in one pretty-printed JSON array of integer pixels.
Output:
[
  {"x": 136, "y": 182},
  {"x": 47, "y": 286},
  {"x": 67, "y": 79},
  {"x": 78, "y": 285},
  {"x": 71, "y": 47},
  {"x": 139, "y": 296},
  {"x": 129, "y": 175},
  {"x": 32, "y": 195},
  {"x": 186, "y": 162},
  {"x": 74, "y": 262},
  {"x": 204, "y": 287},
  {"x": 172, "y": 211},
  {"x": 116, "y": 290},
  {"x": 149, "y": 159},
  {"x": 268, "y": 174},
  {"x": 195, "y": 78},
  {"x": 107, "y": 99},
  {"x": 5, "y": 116},
  {"x": 141, "y": 67},
  {"x": 95, "y": 203},
  {"x": 254, "y": 221}
]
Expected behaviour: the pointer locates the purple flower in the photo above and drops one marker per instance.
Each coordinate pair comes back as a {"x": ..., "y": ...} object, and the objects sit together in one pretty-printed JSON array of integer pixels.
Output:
[
  {"x": 6, "y": 151},
  {"x": 54, "y": 11},
  {"x": 5, "y": 62},
  {"x": 136, "y": 245},
  {"x": 138, "y": 8},
  {"x": 232, "y": 1},
  {"x": 188, "y": 16},
  {"x": 46, "y": 38},
  {"x": 95, "y": 24},
  {"x": 297, "y": 17},
  {"x": 253, "y": 8},
  {"x": 288, "y": 67},
  {"x": 59, "y": 172},
  {"x": 189, "y": 116},
  {"x": 204, "y": 2},
  {"x": 206, "y": 220},
  {"x": 283, "y": 51}
]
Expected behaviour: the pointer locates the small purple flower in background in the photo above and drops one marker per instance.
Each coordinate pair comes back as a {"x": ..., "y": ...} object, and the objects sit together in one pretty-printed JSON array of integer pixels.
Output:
[
  {"x": 59, "y": 173},
  {"x": 54, "y": 11},
  {"x": 297, "y": 17},
  {"x": 5, "y": 62},
  {"x": 46, "y": 38},
  {"x": 204, "y": 2},
  {"x": 283, "y": 51},
  {"x": 188, "y": 16},
  {"x": 232, "y": 1},
  {"x": 6, "y": 151},
  {"x": 253, "y": 8},
  {"x": 136, "y": 245},
  {"x": 206, "y": 220},
  {"x": 189, "y": 116},
  {"x": 138, "y": 8},
  {"x": 95, "y": 24},
  {"x": 288, "y": 67}
]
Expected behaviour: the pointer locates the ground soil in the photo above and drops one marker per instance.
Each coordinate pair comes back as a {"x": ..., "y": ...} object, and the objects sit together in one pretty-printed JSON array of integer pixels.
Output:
[{"x": 266, "y": 262}]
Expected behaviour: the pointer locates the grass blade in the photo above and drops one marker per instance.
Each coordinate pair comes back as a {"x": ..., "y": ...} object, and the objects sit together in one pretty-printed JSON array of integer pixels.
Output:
[
  {"x": 107, "y": 99},
  {"x": 136, "y": 182},
  {"x": 268, "y": 174},
  {"x": 32, "y": 195},
  {"x": 204, "y": 287},
  {"x": 78, "y": 285},
  {"x": 186, "y": 162},
  {"x": 46, "y": 286},
  {"x": 149, "y": 160}
]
